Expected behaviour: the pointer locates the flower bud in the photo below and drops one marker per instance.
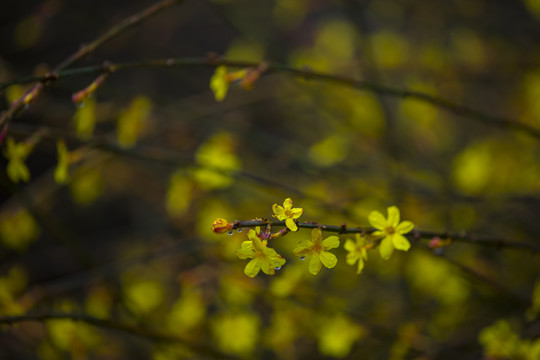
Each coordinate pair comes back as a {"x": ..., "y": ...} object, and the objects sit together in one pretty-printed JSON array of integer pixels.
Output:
[
  {"x": 437, "y": 242},
  {"x": 221, "y": 225}
]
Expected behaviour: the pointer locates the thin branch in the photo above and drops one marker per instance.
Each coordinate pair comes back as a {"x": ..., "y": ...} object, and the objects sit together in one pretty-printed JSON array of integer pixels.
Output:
[
  {"x": 19, "y": 105},
  {"x": 174, "y": 158},
  {"x": 148, "y": 334},
  {"x": 146, "y": 153},
  {"x": 214, "y": 61},
  {"x": 415, "y": 234}
]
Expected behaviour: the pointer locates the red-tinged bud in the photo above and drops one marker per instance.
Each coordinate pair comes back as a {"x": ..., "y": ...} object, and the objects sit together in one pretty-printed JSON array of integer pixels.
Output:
[
  {"x": 220, "y": 226},
  {"x": 437, "y": 242},
  {"x": 80, "y": 96},
  {"x": 252, "y": 75},
  {"x": 31, "y": 95}
]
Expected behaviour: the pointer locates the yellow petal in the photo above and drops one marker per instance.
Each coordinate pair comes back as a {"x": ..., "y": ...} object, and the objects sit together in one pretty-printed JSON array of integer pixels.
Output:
[
  {"x": 350, "y": 245},
  {"x": 315, "y": 264},
  {"x": 400, "y": 242},
  {"x": 360, "y": 266},
  {"x": 287, "y": 204},
  {"x": 291, "y": 224},
  {"x": 17, "y": 170},
  {"x": 303, "y": 248},
  {"x": 297, "y": 212},
  {"x": 360, "y": 240},
  {"x": 328, "y": 259},
  {"x": 252, "y": 268},
  {"x": 364, "y": 254},
  {"x": 246, "y": 250},
  {"x": 257, "y": 243},
  {"x": 316, "y": 237},
  {"x": 393, "y": 216},
  {"x": 267, "y": 268},
  {"x": 352, "y": 257},
  {"x": 377, "y": 220},
  {"x": 404, "y": 227},
  {"x": 61, "y": 174},
  {"x": 386, "y": 248},
  {"x": 279, "y": 212},
  {"x": 330, "y": 242},
  {"x": 219, "y": 84}
]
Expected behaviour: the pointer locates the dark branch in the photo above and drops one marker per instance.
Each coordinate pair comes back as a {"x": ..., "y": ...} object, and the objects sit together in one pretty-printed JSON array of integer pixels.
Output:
[
  {"x": 415, "y": 234},
  {"x": 112, "y": 325},
  {"x": 214, "y": 61},
  {"x": 20, "y": 104}
]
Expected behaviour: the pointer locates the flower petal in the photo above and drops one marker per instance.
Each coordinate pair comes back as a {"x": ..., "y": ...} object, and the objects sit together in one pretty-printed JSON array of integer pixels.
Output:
[
  {"x": 219, "y": 84},
  {"x": 297, "y": 212},
  {"x": 291, "y": 224},
  {"x": 315, "y": 264},
  {"x": 404, "y": 227},
  {"x": 360, "y": 266},
  {"x": 279, "y": 212},
  {"x": 360, "y": 239},
  {"x": 352, "y": 257},
  {"x": 287, "y": 204},
  {"x": 350, "y": 245},
  {"x": 316, "y": 236},
  {"x": 330, "y": 242},
  {"x": 400, "y": 242},
  {"x": 278, "y": 261},
  {"x": 303, "y": 248},
  {"x": 393, "y": 216},
  {"x": 246, "y": 250},
  {"x": 257, "y": 243},
  {"x": 328, "y": 259},
  {"x": 267, "y": 267},
  {"x": 253, "y": 267},
  {"x": 377, "y": 220},
  {"x": 386, "y": 248},
  {"x": 364, "y": 254}
]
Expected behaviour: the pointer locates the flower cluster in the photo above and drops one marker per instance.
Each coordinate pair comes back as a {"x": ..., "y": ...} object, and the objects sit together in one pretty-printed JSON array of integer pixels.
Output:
[
  {"x": 262, "y": 257},
  {"x": 387, "y": 235}
]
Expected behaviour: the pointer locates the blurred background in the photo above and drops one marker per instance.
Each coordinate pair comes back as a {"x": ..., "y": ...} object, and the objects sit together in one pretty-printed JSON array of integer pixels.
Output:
[{"x": 155, "y": 159}]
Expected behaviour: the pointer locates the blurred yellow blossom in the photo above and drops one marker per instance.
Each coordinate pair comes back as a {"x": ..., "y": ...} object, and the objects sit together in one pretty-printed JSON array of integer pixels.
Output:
[
  {"x": 61, "y": 174},
  {"x": 219, "y": 84},
  {"x": 17, "y": 153},
  {"x": 357, "y": 251},
  {"x": 263, "y": 257},
  {"x": 287, "y": 213},
  {"x": 316, "y": 249},
  {"x": 391, "y": 230}
]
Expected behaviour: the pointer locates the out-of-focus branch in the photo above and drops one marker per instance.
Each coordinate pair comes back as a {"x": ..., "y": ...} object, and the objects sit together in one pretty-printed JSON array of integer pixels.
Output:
[
  {"x": 20, "y": 104},
  {"x": 173, "y": 158},
  {"x": 306, "y": 73},
  {"x": 152, "y": 335}
]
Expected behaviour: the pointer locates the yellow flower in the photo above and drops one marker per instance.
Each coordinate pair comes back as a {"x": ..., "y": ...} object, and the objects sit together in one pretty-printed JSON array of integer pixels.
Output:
[
  {"x": 357, "y": 251},
  {"x": 287, "y": 213},
  {"x": 61, "y": 173},
  {"x": 221, "y": 225},
  {"x": 391, "y": 230},
  {"x": 263, "y": 258},
  {"x": 17, "y": 154},
  {"x": 219, "y": 83},
  {"x": 316, "y": 249}
]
